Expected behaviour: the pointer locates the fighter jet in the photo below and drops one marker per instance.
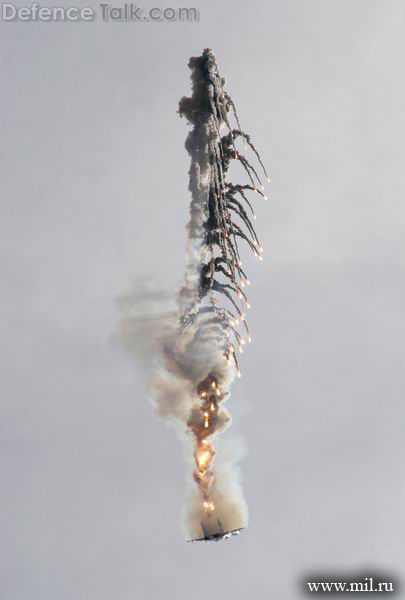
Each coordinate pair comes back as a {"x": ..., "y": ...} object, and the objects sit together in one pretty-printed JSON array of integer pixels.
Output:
[{"x": 216, "y": 537}]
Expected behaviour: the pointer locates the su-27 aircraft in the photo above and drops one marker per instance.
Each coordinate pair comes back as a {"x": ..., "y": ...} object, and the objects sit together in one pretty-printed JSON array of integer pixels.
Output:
[{"x": 216, "y": 537}]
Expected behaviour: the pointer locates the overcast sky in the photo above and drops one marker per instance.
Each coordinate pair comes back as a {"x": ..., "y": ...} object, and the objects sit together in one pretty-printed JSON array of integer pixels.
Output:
[{"x": 94, "y": 194}]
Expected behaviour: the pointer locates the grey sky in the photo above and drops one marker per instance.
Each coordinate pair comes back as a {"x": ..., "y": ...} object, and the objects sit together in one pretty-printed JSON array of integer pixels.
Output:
[{"x": 94, "y": 178}]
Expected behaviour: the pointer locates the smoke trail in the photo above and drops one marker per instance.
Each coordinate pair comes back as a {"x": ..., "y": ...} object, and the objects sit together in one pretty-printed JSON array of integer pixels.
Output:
[{"x": 195, "y": 352}]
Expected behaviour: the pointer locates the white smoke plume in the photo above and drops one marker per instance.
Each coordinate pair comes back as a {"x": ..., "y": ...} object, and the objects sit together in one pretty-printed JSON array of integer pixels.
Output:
[{"x": 191, "y": 348}]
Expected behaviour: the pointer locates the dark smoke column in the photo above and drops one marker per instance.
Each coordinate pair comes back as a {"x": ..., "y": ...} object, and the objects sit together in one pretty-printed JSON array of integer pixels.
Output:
[{"x": 204, "y": 352}]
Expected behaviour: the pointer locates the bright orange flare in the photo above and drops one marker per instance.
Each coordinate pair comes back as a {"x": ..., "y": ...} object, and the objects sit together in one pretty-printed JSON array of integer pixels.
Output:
[{"x": 203, "y": 459}]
